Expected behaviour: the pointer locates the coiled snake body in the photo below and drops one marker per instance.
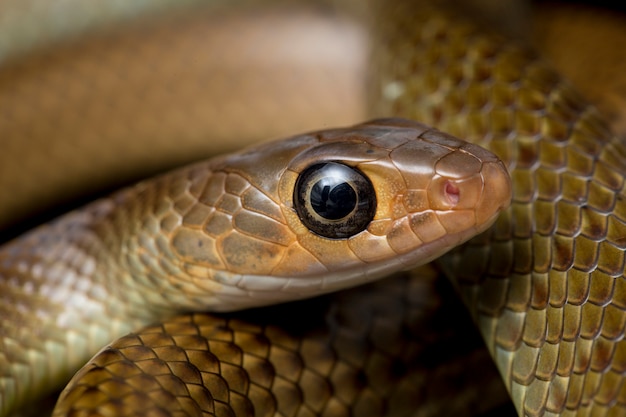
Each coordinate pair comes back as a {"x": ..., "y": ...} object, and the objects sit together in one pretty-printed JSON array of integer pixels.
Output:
[{"x": 544, "y": 284}]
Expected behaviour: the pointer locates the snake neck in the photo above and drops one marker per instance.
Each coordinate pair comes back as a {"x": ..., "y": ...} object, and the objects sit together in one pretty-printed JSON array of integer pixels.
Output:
[
  {"x": 92, "y": 276},
  {"x": 132, "y": 233},
  {"x": 56, "y": 307}
]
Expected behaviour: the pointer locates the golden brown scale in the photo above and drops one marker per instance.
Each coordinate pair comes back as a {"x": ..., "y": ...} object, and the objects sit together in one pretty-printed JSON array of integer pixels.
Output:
[
  {"x": 365, "y": 352},
  {"x": 546, "y": 286},
  {"x": 538, "y": 283},
  {"x": 228, "y": 233}
]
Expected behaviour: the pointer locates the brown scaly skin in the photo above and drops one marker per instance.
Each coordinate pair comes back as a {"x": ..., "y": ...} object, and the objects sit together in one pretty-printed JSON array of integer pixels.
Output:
[
  {"x": 226, "y": 234},
  {"x": 385, "y": 349},
  {"x": 546, "y": 286},
  {"x": 570, "y": 134}
]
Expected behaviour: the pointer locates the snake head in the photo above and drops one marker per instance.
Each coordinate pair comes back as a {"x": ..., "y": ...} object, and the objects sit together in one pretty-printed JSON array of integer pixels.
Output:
[{"x": 336, "y": 208}]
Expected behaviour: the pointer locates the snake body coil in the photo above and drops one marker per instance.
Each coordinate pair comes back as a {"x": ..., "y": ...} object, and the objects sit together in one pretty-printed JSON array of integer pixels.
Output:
[
  {"x": 229, "y": 234},
  {"x": 545, "y": 284}
]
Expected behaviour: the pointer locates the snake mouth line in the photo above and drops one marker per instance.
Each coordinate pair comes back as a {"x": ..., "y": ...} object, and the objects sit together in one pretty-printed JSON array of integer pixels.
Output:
[{"x": 249, "y": 291}]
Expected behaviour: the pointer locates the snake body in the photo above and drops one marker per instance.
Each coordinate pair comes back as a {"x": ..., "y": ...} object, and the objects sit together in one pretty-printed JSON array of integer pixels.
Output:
[
  {"x": 545, "y": 287},
  {"x": 544, "y": 284},
  {"x": 230, "y": 234}
]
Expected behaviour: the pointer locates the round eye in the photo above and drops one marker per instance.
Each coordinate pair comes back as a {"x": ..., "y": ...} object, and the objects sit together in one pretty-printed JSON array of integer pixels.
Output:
[{"x": 334, "y": 200}]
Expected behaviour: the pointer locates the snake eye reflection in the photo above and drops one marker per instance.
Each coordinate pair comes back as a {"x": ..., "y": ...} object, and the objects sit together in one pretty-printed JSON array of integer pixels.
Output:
[{"x": 334, "y": 200}]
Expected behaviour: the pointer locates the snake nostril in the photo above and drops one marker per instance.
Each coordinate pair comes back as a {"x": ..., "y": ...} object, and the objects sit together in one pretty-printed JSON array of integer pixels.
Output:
[{"x": 452, "y": 193}]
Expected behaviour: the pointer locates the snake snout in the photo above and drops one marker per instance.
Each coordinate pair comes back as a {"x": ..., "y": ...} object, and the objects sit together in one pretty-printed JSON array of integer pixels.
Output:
[
  {"x": 496, "y": 193},
  {"x": 469, "y": 189}
]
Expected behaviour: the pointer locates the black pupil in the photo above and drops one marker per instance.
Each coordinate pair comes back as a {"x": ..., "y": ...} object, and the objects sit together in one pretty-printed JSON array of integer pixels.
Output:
[{"x": 332, "y": 198}]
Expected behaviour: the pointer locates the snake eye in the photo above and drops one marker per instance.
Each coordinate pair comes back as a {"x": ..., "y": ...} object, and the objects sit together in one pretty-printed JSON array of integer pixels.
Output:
[{"x": 334, "y": 200}]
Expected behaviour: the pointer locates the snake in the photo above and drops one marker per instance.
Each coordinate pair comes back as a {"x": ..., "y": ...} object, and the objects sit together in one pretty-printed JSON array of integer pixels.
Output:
[{"x": 544, "y": 284}]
